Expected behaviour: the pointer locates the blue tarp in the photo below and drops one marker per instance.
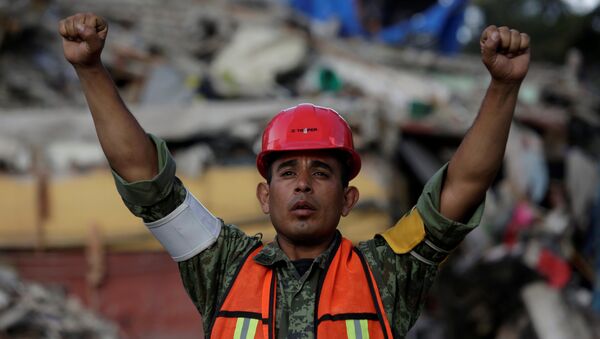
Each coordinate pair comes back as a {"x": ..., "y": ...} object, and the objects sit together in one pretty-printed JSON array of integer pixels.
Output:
[{"x": 440, "y": 22}]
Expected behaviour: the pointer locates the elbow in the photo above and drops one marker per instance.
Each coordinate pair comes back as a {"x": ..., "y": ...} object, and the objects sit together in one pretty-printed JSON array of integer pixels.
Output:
[
  {"x": 459, "y": 199},
  {"x": 134, "y": 167}
]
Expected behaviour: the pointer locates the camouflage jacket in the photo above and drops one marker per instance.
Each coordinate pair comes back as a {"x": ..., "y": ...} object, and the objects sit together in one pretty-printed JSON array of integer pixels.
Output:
[{"x": 403, "y": 279}]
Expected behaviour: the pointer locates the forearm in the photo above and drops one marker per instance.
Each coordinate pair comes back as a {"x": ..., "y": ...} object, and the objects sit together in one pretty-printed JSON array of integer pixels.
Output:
[
  {"x": 480, "y": 154},
  {"x": 127, "y": 147},
  {"x": 477, "y": 160}
]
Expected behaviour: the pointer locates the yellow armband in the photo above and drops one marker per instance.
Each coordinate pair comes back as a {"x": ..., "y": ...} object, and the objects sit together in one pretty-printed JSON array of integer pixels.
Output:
[{"x": 408, "y": 232}]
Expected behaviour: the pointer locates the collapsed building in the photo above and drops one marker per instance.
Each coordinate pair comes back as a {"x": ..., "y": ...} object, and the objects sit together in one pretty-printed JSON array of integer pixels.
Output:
[{"x": 206, "y": 76}]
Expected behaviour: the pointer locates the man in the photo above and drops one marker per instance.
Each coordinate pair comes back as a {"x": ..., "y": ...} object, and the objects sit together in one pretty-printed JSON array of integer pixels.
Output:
[{"x": 310, "y": 282}]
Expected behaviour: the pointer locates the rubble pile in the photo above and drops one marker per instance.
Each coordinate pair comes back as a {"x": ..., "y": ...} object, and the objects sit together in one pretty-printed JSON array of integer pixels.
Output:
[
  {"x": 207, "y": 75},
  {"x": 30, "y": 310}
]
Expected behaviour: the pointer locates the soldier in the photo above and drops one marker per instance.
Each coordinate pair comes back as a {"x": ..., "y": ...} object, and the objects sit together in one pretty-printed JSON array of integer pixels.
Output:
[{"x": 310, "y": 282}]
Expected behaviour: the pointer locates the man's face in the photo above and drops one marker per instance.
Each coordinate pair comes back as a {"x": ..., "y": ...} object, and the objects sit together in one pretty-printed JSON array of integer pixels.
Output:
[{"x": 305, "y": 198}]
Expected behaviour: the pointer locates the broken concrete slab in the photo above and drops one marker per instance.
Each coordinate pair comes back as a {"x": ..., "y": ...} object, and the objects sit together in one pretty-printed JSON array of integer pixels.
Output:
[
  {"x": 552, "y": 318},
  {"x": 30, "y": 310},
  {"x": 255, "y": 56}
]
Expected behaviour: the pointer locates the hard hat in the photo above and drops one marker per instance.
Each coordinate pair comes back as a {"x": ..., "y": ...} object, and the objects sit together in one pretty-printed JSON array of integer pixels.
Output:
[{"x": 308, "y": 127}]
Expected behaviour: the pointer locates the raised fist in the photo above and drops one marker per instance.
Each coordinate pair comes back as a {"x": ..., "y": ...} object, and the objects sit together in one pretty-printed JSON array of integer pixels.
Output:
[
  {"x": 505, "y": 53},
  {"x": 83, "y": 38}
]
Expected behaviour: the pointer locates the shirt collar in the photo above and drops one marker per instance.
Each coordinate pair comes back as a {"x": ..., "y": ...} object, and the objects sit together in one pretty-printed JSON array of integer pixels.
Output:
[{"x": 272, "y": 254}]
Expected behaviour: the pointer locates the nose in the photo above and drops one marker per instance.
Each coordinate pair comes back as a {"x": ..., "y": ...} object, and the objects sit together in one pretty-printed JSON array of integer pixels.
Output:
[{"x": 303, "y": 184}]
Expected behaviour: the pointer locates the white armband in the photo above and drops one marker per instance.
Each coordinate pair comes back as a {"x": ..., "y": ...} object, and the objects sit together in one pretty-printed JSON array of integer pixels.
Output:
[{"x": 186, "y": 231}]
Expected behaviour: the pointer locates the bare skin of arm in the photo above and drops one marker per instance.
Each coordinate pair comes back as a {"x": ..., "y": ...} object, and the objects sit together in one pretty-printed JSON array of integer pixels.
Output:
[
  {"x": 505, "y": 53},
  {"x": 127, "y": 147}
]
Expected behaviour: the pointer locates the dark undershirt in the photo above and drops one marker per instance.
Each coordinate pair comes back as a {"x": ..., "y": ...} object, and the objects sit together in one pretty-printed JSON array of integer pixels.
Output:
[{"x": 302, "y": 265}]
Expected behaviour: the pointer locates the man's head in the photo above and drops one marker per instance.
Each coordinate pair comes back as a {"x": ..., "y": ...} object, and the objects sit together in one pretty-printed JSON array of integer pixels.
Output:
[
  {"x": 308, "y": 127},
  {"x": 307, "y": 158}
]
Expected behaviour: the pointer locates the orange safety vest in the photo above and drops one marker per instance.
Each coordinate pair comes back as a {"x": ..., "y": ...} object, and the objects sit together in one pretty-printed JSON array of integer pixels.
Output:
[{"x": 349, "y": 304}]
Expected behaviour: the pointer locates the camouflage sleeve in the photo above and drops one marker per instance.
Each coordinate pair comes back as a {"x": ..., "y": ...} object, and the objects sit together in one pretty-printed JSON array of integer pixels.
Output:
[
  {"x": 405, "y": 258},
  {"x": 153, "y": 199},
  {"x": 443, "y": 232},
  {"x": 207, "y": 275}
]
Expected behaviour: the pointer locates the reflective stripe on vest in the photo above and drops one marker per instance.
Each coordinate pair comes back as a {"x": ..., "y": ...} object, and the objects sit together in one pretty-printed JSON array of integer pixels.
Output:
[
  {"x": 245, "y": 328},
  {"x": 357, "y": 329},
  {"x": 349, "y": 304}
]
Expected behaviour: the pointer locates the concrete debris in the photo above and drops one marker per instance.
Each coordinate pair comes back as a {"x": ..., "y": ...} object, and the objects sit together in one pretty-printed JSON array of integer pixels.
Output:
[
  {"x": 583, "y": 178},
  {"x": 69, "y": 156},
  {"x": 69, "y": 140},
  {"x": 525, "y": 163},
  {"x": 206, "y": 76},
  {"x": 397, "y": 88},
  {"x": 33, "y": 70},
  {"x": 165, "y": 85},
  {"x": 14, "y": 156},
  {"x": 249, "y": 65},
  {"x": 551, "y": 317},
  {"x": 192, "y": 161},
  {"x": 423, "y": 162},
  {"x": 197, "y": 27},
  {"x": 30, "y": 310}
]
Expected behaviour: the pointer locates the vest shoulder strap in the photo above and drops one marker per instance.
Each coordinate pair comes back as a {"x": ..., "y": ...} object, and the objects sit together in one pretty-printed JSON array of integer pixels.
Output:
[
  {"x": 248, "y": 308},
  {"x": 349, "y": 298}
]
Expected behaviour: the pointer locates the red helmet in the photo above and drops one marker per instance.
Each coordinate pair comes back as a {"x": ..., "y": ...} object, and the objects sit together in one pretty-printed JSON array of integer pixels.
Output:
[{"x": 308, "y": 127}]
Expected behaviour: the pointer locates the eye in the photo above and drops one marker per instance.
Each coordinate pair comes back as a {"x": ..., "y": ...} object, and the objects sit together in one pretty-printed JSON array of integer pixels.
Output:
[
  {"x": 321, "y": 174},
  {"x": 287, "y": 173}
]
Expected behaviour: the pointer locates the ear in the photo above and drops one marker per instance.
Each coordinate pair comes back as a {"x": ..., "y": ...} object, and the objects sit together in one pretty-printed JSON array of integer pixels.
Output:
[
  {"x": 350, "y": 199},
  {"x": 262, "y": 194}
]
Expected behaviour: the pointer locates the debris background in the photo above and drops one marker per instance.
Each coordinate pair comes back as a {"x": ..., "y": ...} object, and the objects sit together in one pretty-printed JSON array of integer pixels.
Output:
[{"x": 207, "y": 75}]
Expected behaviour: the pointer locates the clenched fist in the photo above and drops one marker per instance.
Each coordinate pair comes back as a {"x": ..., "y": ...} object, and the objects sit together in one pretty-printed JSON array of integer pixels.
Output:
[
  {"x": 83, "y": 38},
  {"x": 505, "y": 53}
]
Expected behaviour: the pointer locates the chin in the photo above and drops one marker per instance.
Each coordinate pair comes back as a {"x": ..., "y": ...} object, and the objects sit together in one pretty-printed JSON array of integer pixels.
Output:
[{"x": 306, "y": 235}]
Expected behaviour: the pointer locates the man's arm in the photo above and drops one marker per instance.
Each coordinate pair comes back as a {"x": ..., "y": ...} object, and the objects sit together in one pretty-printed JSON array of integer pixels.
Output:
[
  {"x": 505, "y": 53},
  {"x": 127, "y": 147}
]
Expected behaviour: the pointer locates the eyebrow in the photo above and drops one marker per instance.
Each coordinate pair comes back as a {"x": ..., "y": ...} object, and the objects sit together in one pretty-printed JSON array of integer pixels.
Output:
[
  {"x": 321, "y": 164},
  {"x": 288, "y": 163},
  {"x": 313, "y": 164}
]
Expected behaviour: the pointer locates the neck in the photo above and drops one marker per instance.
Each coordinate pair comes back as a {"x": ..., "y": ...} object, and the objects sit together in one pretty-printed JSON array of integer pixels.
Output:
[{"x": 296, "y": 251}]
